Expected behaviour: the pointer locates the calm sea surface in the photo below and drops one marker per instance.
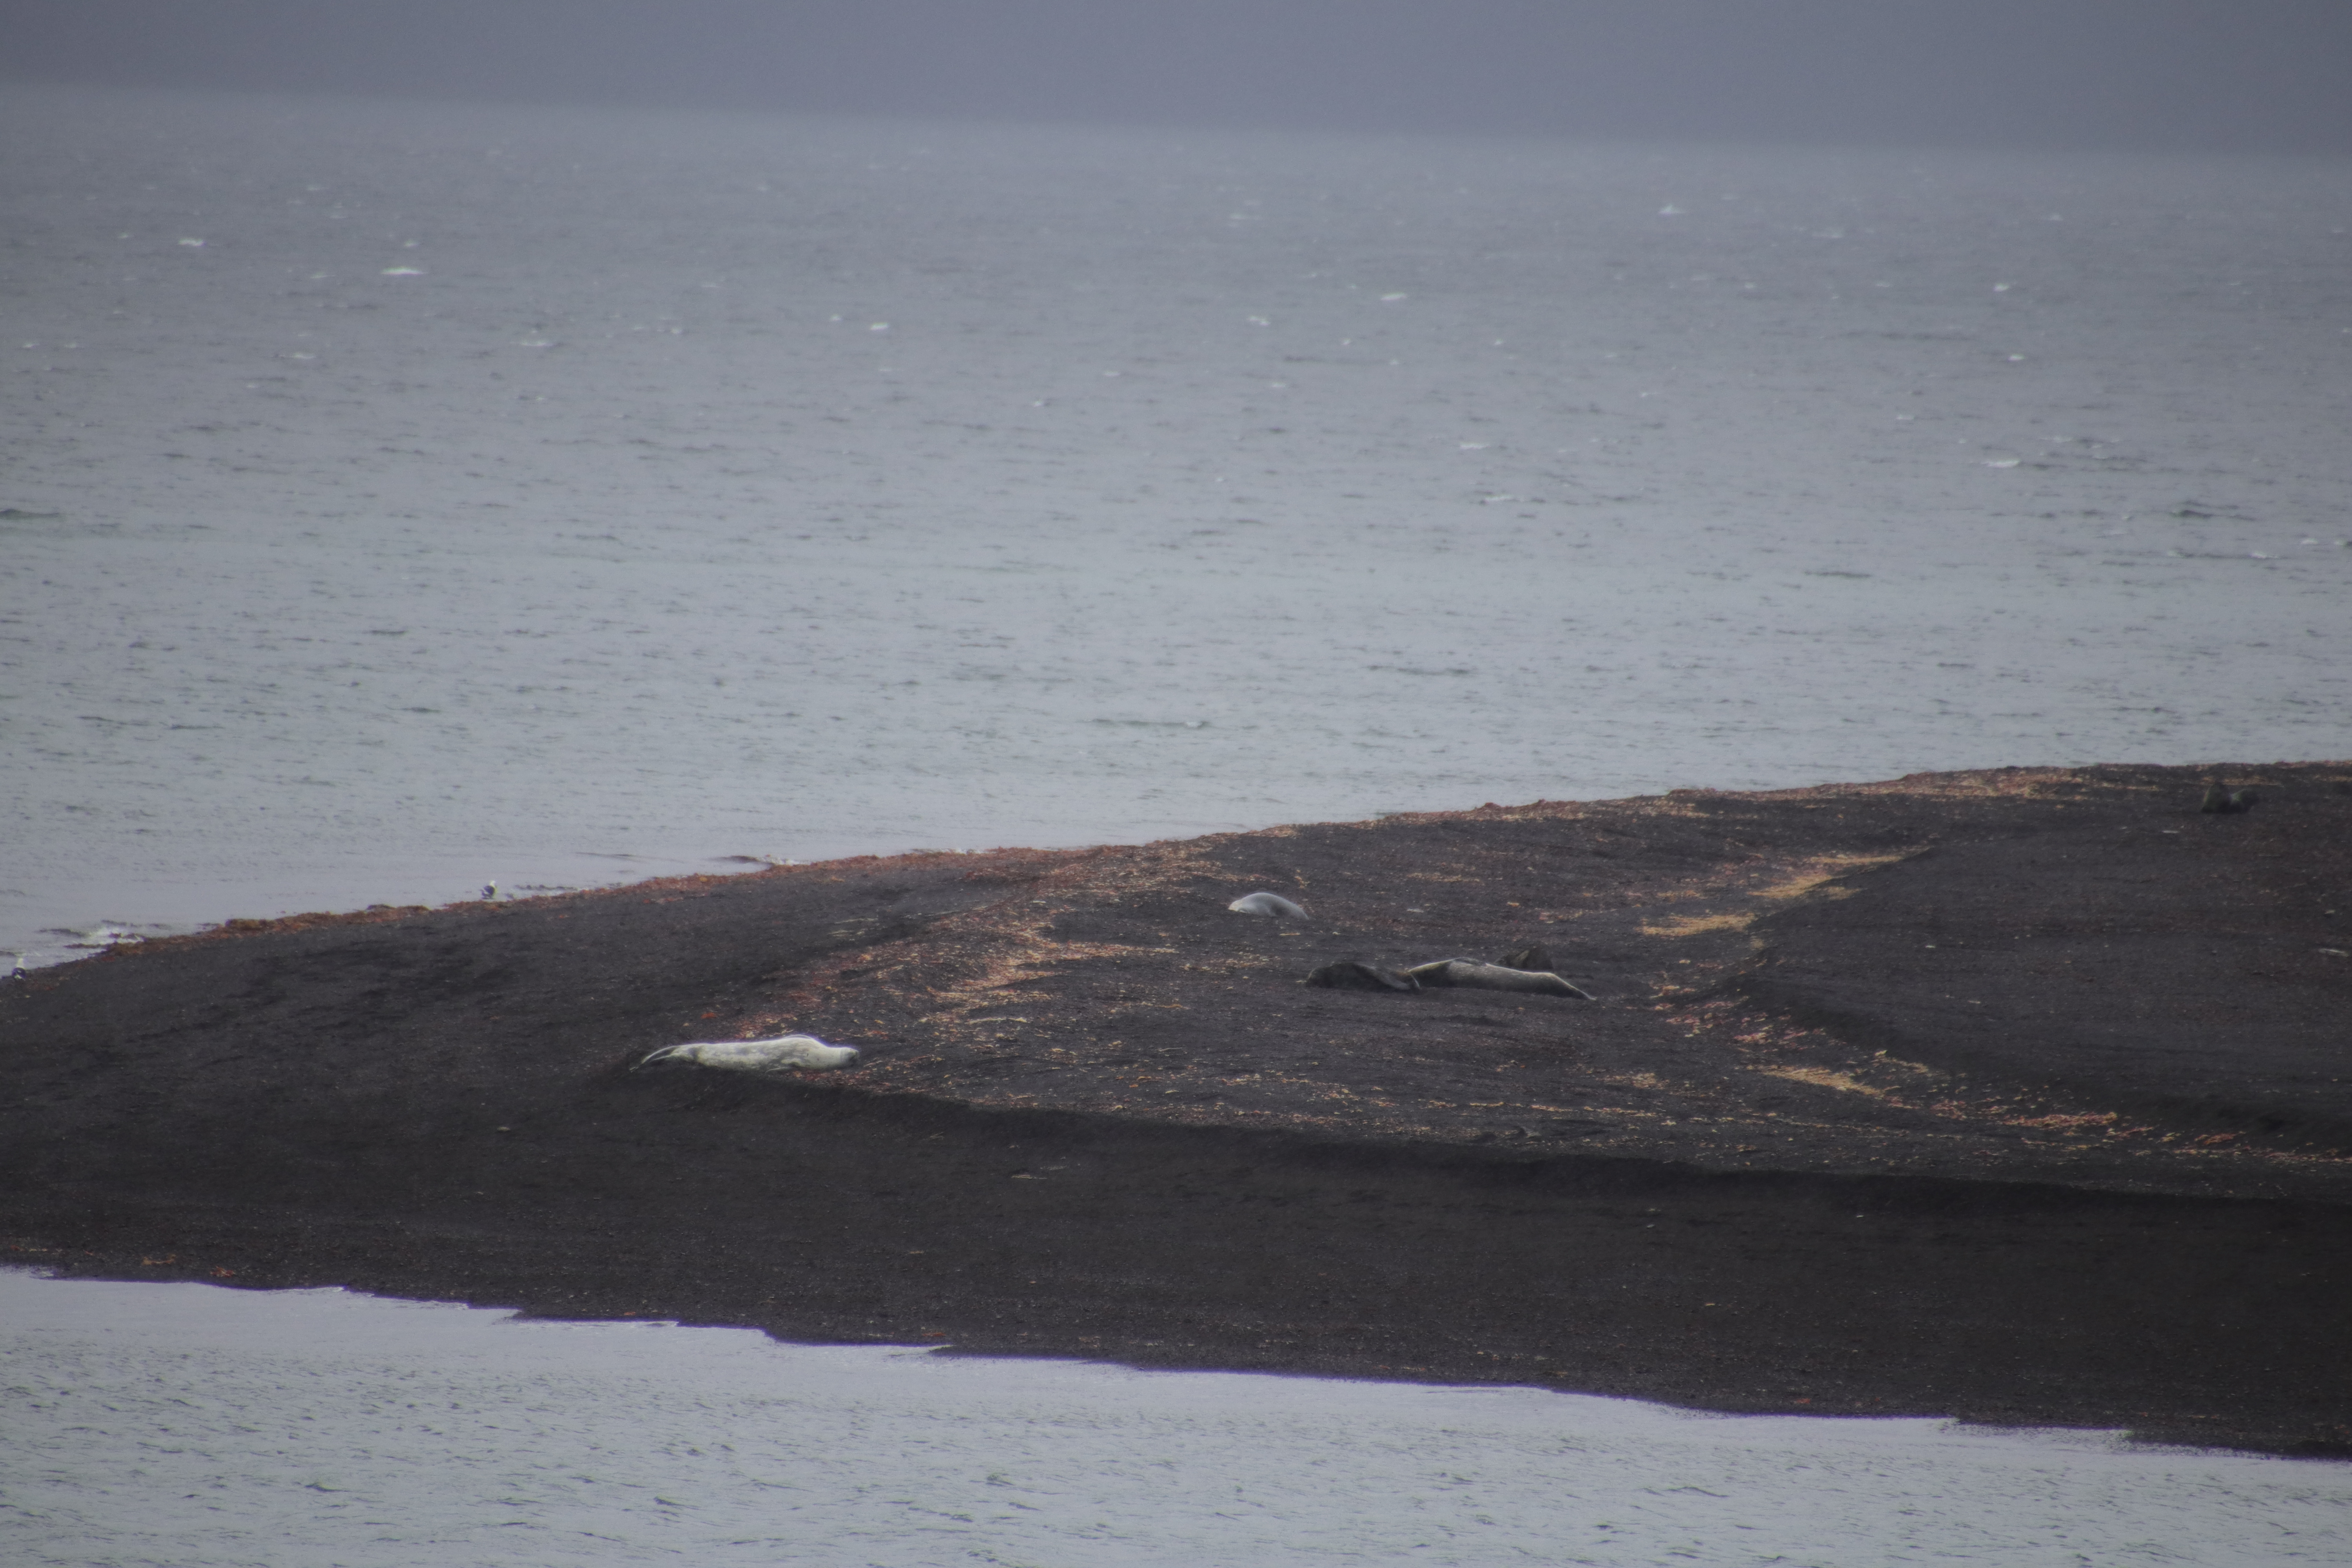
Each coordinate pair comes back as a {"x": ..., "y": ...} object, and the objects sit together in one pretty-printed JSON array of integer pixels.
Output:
[
  {"x": 193, "y": 1426},
  {"x": 400, "y": 498}
]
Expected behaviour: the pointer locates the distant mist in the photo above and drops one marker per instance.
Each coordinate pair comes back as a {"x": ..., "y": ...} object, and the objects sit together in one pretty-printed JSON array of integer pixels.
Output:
[{"x": 2168, "y": 75}]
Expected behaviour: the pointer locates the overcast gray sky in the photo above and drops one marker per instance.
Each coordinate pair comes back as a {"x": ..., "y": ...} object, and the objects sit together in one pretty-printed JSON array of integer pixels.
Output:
[{"x": 2220, "y": 75}]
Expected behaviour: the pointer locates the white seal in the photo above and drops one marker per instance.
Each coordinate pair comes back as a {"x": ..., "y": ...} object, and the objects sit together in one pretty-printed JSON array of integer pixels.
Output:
[
  {"x": 1266, "y": 904},
  {"x": 1474, "y": 975},
  {"x": 779, "y": 1055}
]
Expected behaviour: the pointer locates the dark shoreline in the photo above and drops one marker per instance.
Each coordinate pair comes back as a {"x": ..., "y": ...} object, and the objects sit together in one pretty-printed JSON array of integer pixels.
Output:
[{"x": 2003, "y": 1096}]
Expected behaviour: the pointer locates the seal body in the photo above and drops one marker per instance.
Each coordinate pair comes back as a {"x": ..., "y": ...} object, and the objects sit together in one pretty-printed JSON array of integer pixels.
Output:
[
  {"x": 1353, "y": 975},
  {"x": 1266, "y": 904},
  {"x": 1474, "y": 977},
  {"x": 783, "y": 1054}
]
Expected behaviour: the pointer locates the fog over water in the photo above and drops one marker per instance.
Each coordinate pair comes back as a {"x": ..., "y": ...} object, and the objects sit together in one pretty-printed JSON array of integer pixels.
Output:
[
  {"x": 2218, "y": 76},
  {"x": 404, "y": 497}
]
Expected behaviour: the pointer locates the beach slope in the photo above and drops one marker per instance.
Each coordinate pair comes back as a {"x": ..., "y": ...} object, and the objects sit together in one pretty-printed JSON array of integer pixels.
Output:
[{"x": 2017, "y": 1095}]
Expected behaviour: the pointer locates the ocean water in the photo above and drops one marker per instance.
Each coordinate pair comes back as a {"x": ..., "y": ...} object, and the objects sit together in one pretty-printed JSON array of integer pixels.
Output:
[
  {"x": 197, "y": 1427},
  {"x": 405, "y": 498},
  {"x": 401, "y": 498}
]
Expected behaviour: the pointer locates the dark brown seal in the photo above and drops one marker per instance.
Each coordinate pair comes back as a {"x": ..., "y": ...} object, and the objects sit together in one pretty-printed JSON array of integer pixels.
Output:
[{"x": 1353, "y": 975}]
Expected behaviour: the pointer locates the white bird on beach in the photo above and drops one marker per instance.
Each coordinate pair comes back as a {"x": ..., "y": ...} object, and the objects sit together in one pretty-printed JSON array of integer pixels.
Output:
[{"x": 781, "y": 1054}]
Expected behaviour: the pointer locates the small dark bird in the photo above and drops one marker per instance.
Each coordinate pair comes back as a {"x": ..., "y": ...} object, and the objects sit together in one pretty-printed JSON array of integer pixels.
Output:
[{"x": 2228, "y": 802}]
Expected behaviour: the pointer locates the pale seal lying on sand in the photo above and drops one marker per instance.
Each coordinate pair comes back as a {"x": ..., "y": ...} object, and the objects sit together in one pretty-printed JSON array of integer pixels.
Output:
[
  {"x": 1266, "y": 904},
  {"x": 779, "y": 1055},
  {"x": 1353, "y": 975},
  {"x": 1474, "y": 975}
]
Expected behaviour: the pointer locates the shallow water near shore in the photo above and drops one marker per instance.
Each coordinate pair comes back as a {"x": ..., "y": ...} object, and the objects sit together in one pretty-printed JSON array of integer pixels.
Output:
[
  {"x": 199, "y": 1425},
  {"x": 407, "y": 499}
]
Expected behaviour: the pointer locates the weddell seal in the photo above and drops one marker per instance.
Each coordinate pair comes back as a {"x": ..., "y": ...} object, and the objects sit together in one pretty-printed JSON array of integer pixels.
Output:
[
  {"x": 1473, "y": 975},
  {"x": 779, "y": 1055},
  {"x": 1354, "y": 974},
  {"x": 2223, "y": 801},
  {"x": 1266, "y": 904}
]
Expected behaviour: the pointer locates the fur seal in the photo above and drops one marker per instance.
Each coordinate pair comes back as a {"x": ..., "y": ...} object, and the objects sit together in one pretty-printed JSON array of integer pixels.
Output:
[
  {"x": 1353, "y": 975},
  {"x": 1474, "y": 975},
  {"x": 1266, "y": 904},
  {"x": 779, "y": 1055},
  {"x": 2228, "y": 802}
]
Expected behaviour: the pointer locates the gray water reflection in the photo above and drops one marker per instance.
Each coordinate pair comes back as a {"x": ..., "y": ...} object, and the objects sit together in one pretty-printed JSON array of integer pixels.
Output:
[{"x": 195, "y": 1426}]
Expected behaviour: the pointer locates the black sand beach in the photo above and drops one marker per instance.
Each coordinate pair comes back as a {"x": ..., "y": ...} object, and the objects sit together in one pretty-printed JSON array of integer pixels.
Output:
[{"x": 2014, "y": 1095}]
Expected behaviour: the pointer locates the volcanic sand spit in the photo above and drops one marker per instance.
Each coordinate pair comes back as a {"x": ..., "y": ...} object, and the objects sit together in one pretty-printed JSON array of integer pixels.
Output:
[{"x": 2019, "y": 1095}]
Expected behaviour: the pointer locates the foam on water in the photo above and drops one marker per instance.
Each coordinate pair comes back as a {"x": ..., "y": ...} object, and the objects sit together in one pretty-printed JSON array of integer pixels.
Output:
[{"x": 190, "y": 1425}]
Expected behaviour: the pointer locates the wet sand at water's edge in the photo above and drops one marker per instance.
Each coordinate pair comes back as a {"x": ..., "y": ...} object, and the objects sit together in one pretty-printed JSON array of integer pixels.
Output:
[{"x": 2014, "y": 1095}]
